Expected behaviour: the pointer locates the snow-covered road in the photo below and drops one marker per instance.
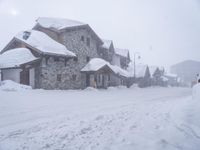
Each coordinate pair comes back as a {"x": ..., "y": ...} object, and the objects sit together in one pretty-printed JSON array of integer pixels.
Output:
[{"x": 114, "y": 119}]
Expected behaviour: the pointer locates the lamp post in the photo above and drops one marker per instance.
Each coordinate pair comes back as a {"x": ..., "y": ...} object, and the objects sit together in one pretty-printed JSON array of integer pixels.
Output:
[{"x": 135, "y": 54}]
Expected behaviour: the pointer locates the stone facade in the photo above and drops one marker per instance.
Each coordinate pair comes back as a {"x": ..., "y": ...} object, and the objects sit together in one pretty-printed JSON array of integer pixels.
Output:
[
  {"x": 53, "y": 72},
  {"x": 58, "y": 73},
  {"x": 107, "y": 54},
  {"x": 77, "y": 42}
]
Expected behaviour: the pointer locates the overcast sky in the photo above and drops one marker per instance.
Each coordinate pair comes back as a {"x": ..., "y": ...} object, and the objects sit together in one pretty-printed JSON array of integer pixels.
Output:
[{"x": 163, "y": 31}]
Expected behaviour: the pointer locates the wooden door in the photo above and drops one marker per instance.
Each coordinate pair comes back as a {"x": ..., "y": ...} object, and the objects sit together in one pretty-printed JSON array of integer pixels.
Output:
[
  {"x": 87, "y": 80},
  {"x": 24, "y": 77}
]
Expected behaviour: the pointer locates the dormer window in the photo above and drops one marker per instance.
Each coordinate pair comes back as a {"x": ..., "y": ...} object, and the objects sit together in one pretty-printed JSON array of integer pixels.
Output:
[{"x": 26, "y": 35}]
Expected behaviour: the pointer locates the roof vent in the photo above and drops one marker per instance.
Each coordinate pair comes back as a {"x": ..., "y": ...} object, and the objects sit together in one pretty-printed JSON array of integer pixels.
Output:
[{"x": 26, "y": 35}]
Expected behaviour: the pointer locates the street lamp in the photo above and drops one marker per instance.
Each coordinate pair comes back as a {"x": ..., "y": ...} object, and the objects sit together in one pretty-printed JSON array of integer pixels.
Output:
[{"x": 138, "y": 57}]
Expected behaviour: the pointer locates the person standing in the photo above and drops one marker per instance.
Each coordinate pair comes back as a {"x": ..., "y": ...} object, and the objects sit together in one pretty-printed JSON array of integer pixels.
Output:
[{"x": 198, "y": 78}]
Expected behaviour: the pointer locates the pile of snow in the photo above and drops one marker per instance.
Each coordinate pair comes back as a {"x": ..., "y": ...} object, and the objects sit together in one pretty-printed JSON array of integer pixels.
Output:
[
  {"x": 9, "y": 85},
  {"x": 97, "y": 63},
  {"x": 44, "y": 43},
  {"x": 196, "y": 92},
  {"x": 90, "y": 89},
  {"x": 193, "y": 117},
  {"x": 16, "y": 57},
  {"x": 122, "y": 52},
  {"x": 58, "y": 23},
  {"x": 117, "y": 87}
]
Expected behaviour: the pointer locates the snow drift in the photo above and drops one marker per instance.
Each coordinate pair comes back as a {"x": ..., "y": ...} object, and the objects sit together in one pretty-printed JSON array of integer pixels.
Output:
[
  {"x": 196, "y": 92},
  {"x": 9, "y": 85}
]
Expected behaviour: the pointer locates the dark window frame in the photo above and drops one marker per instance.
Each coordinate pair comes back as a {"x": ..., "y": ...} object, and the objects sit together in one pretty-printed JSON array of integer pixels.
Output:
[
  {"x": 88, "y": 41},
  {"x": 75, "y": 59},
  {"x": 74, "y": 77},
  {"x": 82, "y": 38},
  {"x": 87, "y": 59},
  {"x": 56, "y": 59},
  {"x": 59, "y": 77}
]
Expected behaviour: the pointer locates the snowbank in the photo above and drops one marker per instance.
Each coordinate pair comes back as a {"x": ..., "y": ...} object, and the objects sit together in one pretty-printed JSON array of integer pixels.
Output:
[
  {"x": 196, "y": 92},
  {"x": 9, "y": 85},
  {"x": 192, "y": 121},
  {"x": 16, "y": 57},
  {"x": 90, "y": 89}
]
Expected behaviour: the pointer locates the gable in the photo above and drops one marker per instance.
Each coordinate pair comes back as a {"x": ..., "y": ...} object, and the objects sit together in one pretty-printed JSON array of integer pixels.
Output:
[{"x": 39, "y": 42}]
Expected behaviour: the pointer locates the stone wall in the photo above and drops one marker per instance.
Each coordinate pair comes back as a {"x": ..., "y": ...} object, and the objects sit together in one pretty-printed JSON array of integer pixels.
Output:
[
  {"x": 107, "y": 54},
  {"x": 49, "y": 72},
  {"x": 58, "y": 73}
]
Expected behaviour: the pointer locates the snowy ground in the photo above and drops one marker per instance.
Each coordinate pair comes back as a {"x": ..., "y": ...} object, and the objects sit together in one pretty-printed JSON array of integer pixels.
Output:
[{"x": 114, "y": 119}]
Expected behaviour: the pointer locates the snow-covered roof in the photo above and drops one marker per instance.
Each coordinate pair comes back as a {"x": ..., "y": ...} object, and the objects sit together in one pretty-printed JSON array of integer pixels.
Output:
[
  {"x": 44, "y": 43},
  {"x": 16, "y": 57},
  {"x": 58, "y": 23},
  {"x": 106, "y": 43},
  {"x": 120, "y": 71},
  {"x": 97, "y": 63},
  {"x": 171, "y": 75},
  {"x": 122, "y": 52}
]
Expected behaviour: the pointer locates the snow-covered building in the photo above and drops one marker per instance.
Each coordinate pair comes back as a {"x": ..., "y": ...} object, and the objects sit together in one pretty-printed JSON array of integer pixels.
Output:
[
  {"x": 123, "y": 56},
  {"x": 172, "y": 79},
  {"x": 145, "y": 75},
  {"x": 56, "y": 53}
]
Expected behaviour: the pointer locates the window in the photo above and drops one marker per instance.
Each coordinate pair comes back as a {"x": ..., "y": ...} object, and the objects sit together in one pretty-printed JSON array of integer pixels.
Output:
[
  {"x": 59, "y": 77},
  {"x": 87, "y": 58},
  {"x": 99, "y": 78},
  {"x": 74, "y": 77},
  {"x": 66, "y": 62},
  {"x": 88, "y": 42},
  {"x": 56, "y": 59},
  {"x": 82, "y": 38},
  {"x": 75, "y": 59},
  {"x": 108, "y": 77},
  {"x": 46, "y": 60}
]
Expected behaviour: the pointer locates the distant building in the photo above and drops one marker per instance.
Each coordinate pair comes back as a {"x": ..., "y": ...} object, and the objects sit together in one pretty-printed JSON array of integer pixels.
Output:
[
  {"x": 61, "y": 54},
  {"x": 147, "y": 75},
  {"x": 172, "y": 79},
  {"x": 187, "y": 71}
]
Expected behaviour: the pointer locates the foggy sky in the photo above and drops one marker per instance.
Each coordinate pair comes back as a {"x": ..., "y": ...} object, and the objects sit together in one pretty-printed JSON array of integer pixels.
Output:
[{"x": 163, "y": 31}]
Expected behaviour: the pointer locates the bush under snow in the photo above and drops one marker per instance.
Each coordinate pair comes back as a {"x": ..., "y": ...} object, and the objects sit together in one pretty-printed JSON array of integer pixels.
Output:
[{"x": 9, "y": 85}]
